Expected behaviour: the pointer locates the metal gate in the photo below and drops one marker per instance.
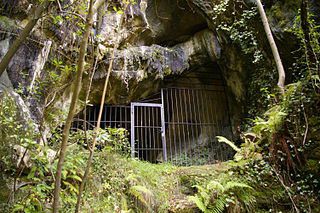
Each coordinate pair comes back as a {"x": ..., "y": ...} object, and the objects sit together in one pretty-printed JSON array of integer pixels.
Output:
[{"x": 148, "y": 140}]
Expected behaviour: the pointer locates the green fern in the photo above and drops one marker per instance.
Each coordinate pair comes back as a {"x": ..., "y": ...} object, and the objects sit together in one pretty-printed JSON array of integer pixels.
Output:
[
  {"x": 222, "y": 139},
  {"x": 233, "y": 184},
  {"x": 216, "y": 197},
  {"x": 199, "y": 202}
]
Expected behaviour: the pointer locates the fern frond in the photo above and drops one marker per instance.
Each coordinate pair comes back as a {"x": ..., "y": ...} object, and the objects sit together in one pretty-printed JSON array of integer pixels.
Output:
[
  {"x": 219, "y": 204},
  {"x": 215, "y": 185},
  {"x": 222, "y": 139},
  {"x": 198, "y": 201},
  {"x": 233, "y": 184}
]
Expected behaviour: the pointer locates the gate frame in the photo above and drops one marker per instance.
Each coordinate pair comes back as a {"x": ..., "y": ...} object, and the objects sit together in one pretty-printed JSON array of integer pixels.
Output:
[{"x": 163, "y": 129}]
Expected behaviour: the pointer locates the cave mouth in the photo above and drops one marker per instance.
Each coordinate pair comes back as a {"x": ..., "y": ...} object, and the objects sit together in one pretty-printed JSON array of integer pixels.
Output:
[{"x": 178, "y": 124}]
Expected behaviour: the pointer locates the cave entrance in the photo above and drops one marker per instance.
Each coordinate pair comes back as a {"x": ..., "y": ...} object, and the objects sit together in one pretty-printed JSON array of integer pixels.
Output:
[{"x": 178, "y": 124}]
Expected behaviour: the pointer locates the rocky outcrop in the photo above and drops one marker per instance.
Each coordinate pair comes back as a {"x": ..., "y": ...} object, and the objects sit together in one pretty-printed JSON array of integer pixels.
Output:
[{"x": 157, "y": 39}]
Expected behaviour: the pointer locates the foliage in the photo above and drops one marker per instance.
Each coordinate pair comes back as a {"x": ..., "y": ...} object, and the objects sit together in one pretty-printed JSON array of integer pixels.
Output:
[
  {"x": 249, "y": 149},
  {"x": 119, "y": 183},
  {"x": 15, "y": 129},
  {"x": 200, "y": 156},
  {"x": 112, "y": 139},
  {"x": 216, "y": 197},
  {"x": 35, "y": 196}
]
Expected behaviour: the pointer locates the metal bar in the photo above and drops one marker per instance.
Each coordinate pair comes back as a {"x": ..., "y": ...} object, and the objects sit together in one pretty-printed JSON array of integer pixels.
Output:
[
  {"x": 149, "y": 122},
  {"x": 212, "y": 133},
  {"x": 178, "y": 127},
  {"x": 186, "y": 113},
  {"x": 140, "y": 145},
  {"x": 198, "y": 128},
  {"x": 182, "y": 118},
  {"x": 120, "y": 123},
  {"x": 89, "y": 117},
  {"x": 154, "y": 135},
  {"x": 146, "y": 131},
  {"x": 105, "y": 115},
  {"x": 212, "y": 117},
  {"x": 168, "y": 142},
  {"x": 156, "y": 131},
  {"x": 95, "y": 116},
  {"x": 132, "y": 131},
  {"x": 149, "y": 127},
  {"x": 173, "y": 126},
  {"x": 110, "y": 116},
  {"x": 216, "y": 127},
  {"x": 163, "y": 131},
  {"x": 190, "y": 104},
  {"x": 115, "y": 116},
  {"x": 126, "y": 118},
  {"x": 146, "y": 104}
]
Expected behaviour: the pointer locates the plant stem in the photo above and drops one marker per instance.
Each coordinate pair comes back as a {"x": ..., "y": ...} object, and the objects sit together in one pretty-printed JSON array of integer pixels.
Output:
[{"x": 72, "y": 109}]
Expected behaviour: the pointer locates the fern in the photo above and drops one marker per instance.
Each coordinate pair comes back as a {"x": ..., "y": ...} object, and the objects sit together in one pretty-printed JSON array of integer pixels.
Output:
[
  {"x": 219, "y": 205},
  {"x": 230, "y": 143},
  {"x": 198, "y": 201},
  {"x": 233, "y": 184},
  {"x": 215, "y": 196}
]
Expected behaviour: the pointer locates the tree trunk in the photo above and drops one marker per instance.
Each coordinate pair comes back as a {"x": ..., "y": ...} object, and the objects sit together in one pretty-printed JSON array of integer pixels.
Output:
[
  {"x": 95, "y": 134},
  {"x": 275, "y": 52},
  {"x": 72, "y": 109},
  {"x": 23, "y": 35},
  {"x": 96, "y": 130}
]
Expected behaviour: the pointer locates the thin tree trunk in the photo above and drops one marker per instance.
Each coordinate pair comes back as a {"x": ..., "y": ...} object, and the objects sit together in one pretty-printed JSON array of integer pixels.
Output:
[
  {"x": 95, "y": 134},
  {"x": 96, "y": 130},
  {"x": 72, "y": 109},
  {"x": 23, "y": 35},
  {"x": 275, "y": 52}
]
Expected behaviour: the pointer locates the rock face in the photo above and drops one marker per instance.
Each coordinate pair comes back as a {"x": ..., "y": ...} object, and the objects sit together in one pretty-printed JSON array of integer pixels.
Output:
[{"x": 157, "y": 40}]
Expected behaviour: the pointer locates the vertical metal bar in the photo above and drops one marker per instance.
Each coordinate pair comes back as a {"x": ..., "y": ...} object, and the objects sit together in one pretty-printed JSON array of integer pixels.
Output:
[
  {"x": 195, "y": 125},
  {"x": 177, "y": 121},
  {"x": 149, "y": 124},
  {"x": 146, "y": 132},
  {"x": 120, "y": 125},
  {"x": 169, "y": 116},
  {"x": 204, "y": 127},
  {"x": 105, "y": 116},
  {"x": 199, "y": 128},
  {"x": 174, "y": 125},
  {"x": 186, "y": 114},
  {"x": 212, "y": 118},
  {"x": 217, "y": 126},
  {"x": 126, "y": 118},
  {"x": 116, "y": 117},
  {"x": 89, "y": 117},
  {"x": 183, "y": 121},
  {"x": 163, "y": 129},
  {"x": 190, "y": 104},
  {"x": 155, "y": 130},
  {"x": 139, "y": 130},
  {"x": 132, "y": 130},
  {"x": 209, "y": 122},
  {"x": 140, "y": 145},
  {"x": 110, "y": 116}
]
